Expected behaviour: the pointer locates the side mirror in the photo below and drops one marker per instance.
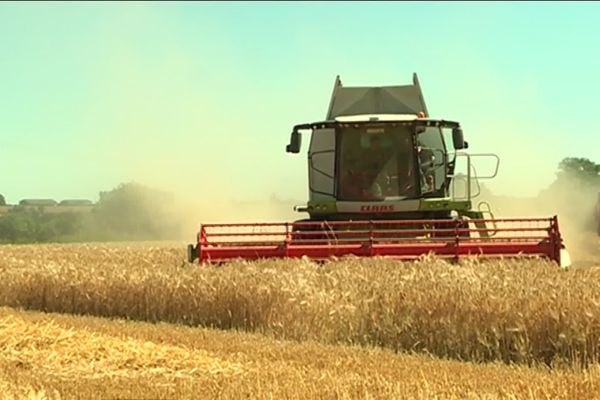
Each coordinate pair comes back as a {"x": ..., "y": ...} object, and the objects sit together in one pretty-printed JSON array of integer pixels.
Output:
[
  {"x": 458, "y": 139},
  {"x": 295, "y": 143}
]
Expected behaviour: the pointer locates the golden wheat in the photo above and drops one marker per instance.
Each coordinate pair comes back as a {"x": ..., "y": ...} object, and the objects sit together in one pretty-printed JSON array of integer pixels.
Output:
[
  {"x": 51, "y": 356},
  {"x": 512, "y": 311}
]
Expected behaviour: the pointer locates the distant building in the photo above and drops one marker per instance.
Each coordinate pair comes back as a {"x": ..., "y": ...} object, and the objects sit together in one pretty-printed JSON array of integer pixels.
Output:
[
  {"x": 76, "y": 202},
  {"x": 38, "y": 202}
]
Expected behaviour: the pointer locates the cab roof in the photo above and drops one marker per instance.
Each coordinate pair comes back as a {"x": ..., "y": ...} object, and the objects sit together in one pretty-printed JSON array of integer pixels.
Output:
[{"x": 360, "y": 100}]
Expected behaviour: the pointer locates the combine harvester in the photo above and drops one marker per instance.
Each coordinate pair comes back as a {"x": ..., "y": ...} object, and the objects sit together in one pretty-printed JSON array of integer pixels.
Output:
[{"x": 382, "y": 182}]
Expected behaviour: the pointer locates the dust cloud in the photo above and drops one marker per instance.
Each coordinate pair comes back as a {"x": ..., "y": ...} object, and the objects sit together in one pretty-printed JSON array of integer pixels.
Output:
[
  {"x": 191, "y": 212},
  {"x": 571, "y": 201},
  {"x": 192, "y": 202}
]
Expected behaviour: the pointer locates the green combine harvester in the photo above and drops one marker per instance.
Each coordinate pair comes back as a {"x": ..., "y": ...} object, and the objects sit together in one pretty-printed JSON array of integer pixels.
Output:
[{"x": 383, "y": 181}]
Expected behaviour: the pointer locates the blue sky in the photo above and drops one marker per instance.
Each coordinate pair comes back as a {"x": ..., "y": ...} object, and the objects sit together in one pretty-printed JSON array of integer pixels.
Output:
[{"x": 200, "y": 97}]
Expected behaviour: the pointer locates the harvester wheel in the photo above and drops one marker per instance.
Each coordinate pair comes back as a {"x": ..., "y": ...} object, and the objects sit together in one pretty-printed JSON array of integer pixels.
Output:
[{"x": 192, "y": 253}]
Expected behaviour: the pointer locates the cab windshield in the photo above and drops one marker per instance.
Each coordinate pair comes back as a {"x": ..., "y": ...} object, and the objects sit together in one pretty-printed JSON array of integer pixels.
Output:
[{"x": 377, "y": 163}]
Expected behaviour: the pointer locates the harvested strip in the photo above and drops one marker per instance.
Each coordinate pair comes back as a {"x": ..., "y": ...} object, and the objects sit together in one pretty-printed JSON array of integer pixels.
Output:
[
  {"x": 270, "y": 368},
  {"x": 75, "y": 354}
]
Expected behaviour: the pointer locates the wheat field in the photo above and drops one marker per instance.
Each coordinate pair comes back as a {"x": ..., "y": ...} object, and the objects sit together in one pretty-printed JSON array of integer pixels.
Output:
[
  {"x": 106, "y": 321},
  {"x": 510, "y": 311}
]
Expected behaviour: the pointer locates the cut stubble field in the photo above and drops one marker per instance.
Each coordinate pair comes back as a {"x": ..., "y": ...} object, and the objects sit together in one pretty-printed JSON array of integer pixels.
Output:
[{"x": 292, "y": 329}]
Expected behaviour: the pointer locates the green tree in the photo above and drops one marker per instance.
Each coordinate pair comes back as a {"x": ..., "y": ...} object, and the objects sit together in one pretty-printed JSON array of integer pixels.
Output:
[
  {"x": 27, "y": 225},
  {"x": 582, "y": 169},
  {"x": 2, "y": 200}
]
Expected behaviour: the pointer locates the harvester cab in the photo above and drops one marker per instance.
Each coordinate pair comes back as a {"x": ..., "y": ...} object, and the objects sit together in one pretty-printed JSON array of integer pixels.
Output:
[
  {"x": 383, "y": 179},
  {"x": 378, "y": 155}
]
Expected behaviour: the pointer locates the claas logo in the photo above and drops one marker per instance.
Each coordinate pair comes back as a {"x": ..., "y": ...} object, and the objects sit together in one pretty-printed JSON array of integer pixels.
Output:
[{"x": 377, "y": 208}]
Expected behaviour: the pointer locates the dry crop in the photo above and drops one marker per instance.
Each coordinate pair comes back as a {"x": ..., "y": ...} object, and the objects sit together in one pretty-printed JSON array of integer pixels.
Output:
[
  {"x": 50, "y": 356},
  {"x": 513, "y": 311}
]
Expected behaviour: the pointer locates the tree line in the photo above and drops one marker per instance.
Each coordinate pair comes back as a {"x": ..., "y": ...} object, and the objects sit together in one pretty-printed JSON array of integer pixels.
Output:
[{"x": 129, "y": 212}]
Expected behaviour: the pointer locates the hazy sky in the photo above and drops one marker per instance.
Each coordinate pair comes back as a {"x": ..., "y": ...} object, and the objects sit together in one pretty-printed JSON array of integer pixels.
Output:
[{"x": 201, "y": 97}]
